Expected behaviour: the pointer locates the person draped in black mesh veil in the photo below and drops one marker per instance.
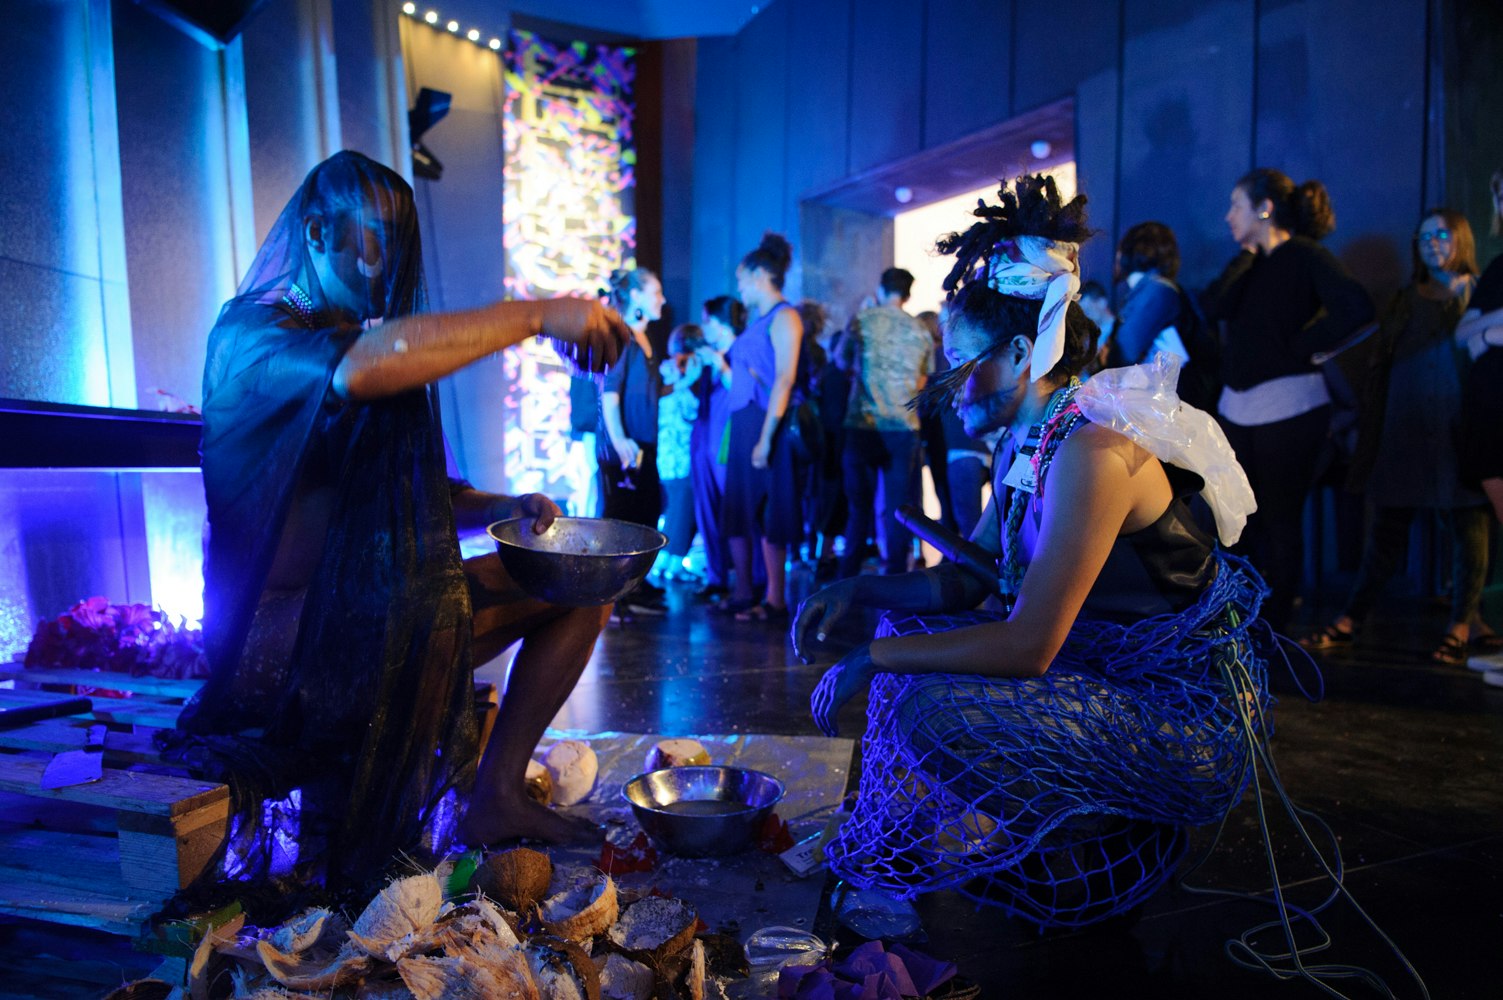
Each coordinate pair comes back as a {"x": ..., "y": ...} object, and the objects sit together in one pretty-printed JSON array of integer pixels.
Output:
[{"x": 340, "y": 623}]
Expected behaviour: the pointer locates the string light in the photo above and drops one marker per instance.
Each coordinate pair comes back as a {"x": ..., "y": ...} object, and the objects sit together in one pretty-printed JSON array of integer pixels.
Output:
[{"x": 432, "y": 17}]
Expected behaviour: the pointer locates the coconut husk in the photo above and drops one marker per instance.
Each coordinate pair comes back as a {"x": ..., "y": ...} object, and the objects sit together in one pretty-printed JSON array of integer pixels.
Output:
[
  {"x": 508, "y": 965},
  {"x": 583, "y": 905},
  {"x": 694, "y": 978},
  {"x": 477, "y": 920},
  {"x": 516, "y": 879},
  {"x": 405, "y": 907},
  {"x": 314, "y": 971},
  {"x": 623, "y": 979},
  {"x": 562, "y": 969},
  {"x": 207, "y": 965},
  {"x": 448, "y": 979},
  {"x": 306, "y": 930},
  {"x": 655, "y": 928}
]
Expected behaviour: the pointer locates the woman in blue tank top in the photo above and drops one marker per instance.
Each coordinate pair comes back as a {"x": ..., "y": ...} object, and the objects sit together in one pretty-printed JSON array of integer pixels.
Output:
[{"x": 761, "y": 481}]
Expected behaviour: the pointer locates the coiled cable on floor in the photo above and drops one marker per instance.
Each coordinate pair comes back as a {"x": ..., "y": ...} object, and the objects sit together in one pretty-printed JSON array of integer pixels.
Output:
[{"x": 1290, "y": 963}]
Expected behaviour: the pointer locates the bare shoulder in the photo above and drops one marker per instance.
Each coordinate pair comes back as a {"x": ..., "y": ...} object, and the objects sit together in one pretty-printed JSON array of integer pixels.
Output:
[
  {"x": 1098, "y": 462},
  {"x": 787, "y": 321},
  {"x": 1095, "y": 445}
]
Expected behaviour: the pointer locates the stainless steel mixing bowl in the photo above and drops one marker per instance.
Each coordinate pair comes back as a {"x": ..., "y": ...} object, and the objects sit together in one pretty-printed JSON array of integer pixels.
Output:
[
  {"x": 578, "y": 561},
  {"x": 701, "y": 812}
]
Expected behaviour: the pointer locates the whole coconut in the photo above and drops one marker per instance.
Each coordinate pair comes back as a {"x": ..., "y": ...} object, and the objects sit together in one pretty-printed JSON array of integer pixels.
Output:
[{"x": 516, "y": 879}]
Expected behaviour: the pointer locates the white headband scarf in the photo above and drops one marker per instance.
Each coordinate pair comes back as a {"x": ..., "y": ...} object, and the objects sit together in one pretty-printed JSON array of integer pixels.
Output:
[{"x": 1031, "y": 267}]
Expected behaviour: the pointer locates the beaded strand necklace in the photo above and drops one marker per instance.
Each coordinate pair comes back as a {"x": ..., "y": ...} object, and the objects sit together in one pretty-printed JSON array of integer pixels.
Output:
[
  {"x": 1061, "y": 418},
  {"x": 301, "y": 305}
]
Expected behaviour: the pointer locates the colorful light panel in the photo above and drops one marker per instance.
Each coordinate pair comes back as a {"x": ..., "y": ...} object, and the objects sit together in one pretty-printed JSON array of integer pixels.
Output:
[{"x": 568, "y": 221}]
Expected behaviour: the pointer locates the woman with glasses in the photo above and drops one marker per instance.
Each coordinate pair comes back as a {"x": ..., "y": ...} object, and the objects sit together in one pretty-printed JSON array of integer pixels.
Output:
[{"x": 1406, "y": 458}]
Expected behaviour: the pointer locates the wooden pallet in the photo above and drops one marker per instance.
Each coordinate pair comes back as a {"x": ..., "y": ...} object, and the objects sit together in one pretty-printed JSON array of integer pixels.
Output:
[{"x": 105, "y": 854}]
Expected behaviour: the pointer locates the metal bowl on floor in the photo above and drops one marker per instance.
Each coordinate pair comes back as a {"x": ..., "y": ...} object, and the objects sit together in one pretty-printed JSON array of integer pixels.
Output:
[
  {"x": 578, "y": 561},
  {"x": 703, "y": 812}
]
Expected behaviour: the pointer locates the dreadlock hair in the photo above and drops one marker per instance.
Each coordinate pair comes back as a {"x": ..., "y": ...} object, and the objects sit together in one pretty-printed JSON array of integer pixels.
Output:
[{"x": 1032, "y": 207}]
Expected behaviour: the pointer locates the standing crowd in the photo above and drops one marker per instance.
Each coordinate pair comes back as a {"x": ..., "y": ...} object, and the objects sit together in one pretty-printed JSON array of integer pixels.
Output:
[{"x": 777, "y": 433}]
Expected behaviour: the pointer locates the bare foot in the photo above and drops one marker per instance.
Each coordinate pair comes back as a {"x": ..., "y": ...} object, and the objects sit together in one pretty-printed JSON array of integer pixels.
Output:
[{"x": 497, "y": 821}]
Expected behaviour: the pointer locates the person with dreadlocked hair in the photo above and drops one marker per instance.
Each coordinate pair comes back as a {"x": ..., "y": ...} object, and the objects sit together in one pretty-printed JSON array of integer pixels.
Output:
[
  {"x": 1048, "y": 759},
  {"x": 340, "y": 622}
]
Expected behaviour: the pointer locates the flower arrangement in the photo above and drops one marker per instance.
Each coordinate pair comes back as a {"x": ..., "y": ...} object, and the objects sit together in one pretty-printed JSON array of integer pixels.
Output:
[{"x": 131, "y": 639}]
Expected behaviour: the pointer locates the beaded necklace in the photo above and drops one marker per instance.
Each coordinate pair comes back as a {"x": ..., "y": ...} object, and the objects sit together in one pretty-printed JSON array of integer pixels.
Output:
[
  {"x": 1061, "y": 418},
  {"x": 301, "y": 305}
]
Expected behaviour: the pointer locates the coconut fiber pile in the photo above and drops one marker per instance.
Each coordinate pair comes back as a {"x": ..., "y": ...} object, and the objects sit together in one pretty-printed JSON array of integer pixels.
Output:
[{"x": 517, "y": 928}]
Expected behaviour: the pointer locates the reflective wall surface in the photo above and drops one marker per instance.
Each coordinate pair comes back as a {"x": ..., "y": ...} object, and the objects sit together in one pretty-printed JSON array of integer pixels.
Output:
[{"x": 68, "y": 534}]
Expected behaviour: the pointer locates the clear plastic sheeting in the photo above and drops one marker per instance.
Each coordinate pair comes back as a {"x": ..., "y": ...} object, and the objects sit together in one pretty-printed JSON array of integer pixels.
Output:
[{"x": 1141, "y": 402}]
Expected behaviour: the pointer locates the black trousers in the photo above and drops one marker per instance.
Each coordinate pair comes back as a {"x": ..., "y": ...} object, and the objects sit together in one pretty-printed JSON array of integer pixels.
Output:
[
  {"x": 634, "y": 494},
  {"x": 1280, "y": 460}
]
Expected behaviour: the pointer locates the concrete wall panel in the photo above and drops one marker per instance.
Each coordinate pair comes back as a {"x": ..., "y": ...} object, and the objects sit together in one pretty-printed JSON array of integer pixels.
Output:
[
  {"x": 967, "y": 67},
  {"x": 887, "y": 77},
  {"x": 1186, "y": 123}
]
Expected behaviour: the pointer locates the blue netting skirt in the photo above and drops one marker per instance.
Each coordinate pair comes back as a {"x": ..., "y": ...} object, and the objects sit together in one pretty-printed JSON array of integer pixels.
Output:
[{"x": 1062, "y": 799}]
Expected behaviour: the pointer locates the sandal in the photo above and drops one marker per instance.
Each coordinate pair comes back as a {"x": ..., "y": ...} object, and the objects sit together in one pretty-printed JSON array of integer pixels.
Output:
[
  {"x": 763, "y": 612},
  {"x": 1451, "y": 652},
  {"x": 1329, "y": 637}
]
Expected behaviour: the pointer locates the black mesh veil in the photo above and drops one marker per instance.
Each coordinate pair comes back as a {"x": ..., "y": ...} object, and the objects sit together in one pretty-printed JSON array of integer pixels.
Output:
[{"x": 350, "y": 683}]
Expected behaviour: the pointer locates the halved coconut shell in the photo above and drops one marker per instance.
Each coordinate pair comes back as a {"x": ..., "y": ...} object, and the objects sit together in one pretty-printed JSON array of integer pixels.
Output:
[
  {"x": 655, "y": 926},
  {"x": 516, "y": 879},
  {"x": 562, "y": 970},
  {"x": 676, "y": 753},
  {"x": 580, "y": 905}
]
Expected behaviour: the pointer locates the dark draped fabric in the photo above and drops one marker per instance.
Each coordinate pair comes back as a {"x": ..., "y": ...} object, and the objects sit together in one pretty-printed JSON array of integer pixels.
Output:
[
  {"x": 376, "y": 711},
  {"x": 370, "y": 709}
]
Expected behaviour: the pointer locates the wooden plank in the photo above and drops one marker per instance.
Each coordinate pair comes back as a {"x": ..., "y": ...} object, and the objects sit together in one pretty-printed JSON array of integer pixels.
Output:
[
  {"x": 57, "y": 735},
  {"x": 129, "y": 791},
  {"x": 70, "y": 879},
  {"x": 161, "y": 687},
  {"x": 143, "y": 711},
  {"x": 51, "y": 814},
  {"x": 164, "y": 854}
]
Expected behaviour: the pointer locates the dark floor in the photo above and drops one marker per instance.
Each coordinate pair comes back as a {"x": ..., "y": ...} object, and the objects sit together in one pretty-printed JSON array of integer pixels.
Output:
[{"x": 1401, "y": 758}]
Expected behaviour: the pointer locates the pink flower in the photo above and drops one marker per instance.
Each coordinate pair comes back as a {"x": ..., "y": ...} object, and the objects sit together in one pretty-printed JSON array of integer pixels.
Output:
[{"x": 92, "y": 613}]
